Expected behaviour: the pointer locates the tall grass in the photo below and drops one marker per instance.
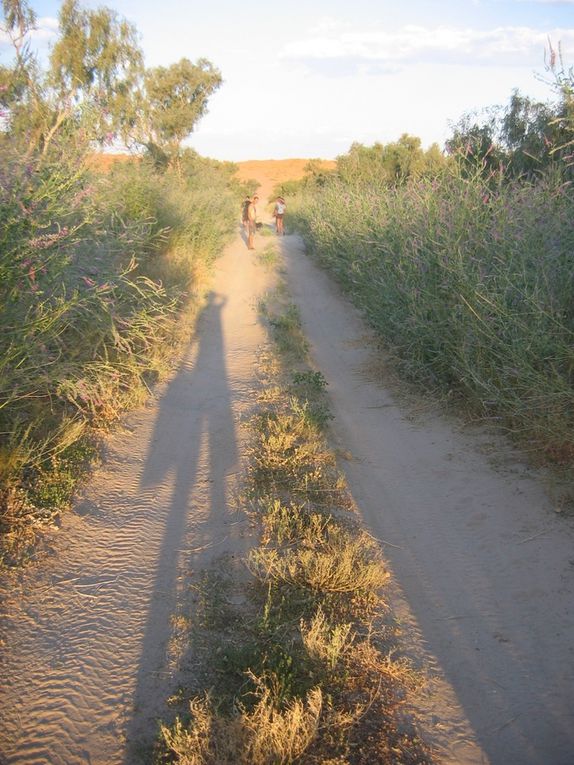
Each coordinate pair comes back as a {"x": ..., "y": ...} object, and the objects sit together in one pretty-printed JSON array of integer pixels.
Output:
[
  {"x": 94, "y": 271},
  {"x": 471, "y": 283}
]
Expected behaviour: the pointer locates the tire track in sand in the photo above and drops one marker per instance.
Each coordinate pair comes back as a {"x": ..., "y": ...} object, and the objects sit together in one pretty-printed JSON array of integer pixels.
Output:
[
  {"x": 483, "y": 578},
  {"x": 88, "y": 656}
]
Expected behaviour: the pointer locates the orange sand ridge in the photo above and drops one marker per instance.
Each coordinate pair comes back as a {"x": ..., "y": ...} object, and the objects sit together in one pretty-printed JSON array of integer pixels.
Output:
[{"x": 270, "y": 172}]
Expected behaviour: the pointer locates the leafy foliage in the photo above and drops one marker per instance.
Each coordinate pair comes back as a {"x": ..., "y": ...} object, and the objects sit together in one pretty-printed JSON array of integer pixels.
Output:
[
  {"x": 175, "y": 99},
  {"x": 467, "y": 273},
  {"x": 97, "y": 87},
  {"x": 389, "y": 164},
  {"x": 95, "y": 62},
  {"x": 523, "y": 139}
]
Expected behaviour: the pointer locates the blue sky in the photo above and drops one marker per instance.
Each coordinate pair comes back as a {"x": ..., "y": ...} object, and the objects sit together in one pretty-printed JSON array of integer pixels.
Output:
[{"x": 306, "y": 78}]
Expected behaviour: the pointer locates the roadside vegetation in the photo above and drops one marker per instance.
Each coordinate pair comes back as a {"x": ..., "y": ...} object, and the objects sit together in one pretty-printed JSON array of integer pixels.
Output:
[
  {"x": 100, "y": 272},
  {"x": 304, "y": 669},
  {"x": 463, "y": 262}
]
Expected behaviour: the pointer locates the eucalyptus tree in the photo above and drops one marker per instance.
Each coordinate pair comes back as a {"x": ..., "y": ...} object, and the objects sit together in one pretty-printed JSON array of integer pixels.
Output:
[
  {"x": 19, "y": 79},
  {"x": 174, "y": 100},
  {"x": 95, "y": 66},
  {"x": 95, "y": 88}
]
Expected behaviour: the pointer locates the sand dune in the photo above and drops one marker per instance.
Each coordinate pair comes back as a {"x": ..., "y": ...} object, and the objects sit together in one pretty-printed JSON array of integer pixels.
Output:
[{"x": 270, "y": 172}]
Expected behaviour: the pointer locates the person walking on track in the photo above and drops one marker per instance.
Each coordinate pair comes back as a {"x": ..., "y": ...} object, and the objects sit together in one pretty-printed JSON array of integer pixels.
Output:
[
  {"x": 244, "y": 207},
  {"x": 278, "y": 213},
  {"x": 251, "y": 222}
]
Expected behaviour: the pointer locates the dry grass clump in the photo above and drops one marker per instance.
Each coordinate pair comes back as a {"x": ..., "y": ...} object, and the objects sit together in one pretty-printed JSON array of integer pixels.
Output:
[
  {"x": 281, "y": 737},
  {"x": 289, "y": 456},
  {"x": 285, "y": 522},
  {"x": 288, "y": 443},
  {"x": 325, "y": 641},
  {"x": 342, "y": 561},
  {"x": 263, "y": 736},
  {"x": 21, "y": 523}
]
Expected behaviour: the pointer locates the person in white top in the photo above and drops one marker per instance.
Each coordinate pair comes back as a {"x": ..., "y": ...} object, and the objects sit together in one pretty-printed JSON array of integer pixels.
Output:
[{"x": 279, "y": 212}]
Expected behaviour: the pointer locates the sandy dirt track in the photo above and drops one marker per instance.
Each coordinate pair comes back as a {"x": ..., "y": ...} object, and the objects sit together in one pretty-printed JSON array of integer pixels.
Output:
[
  {"x": 90, "y": 640},
  {"x": 483, "y": 567}
]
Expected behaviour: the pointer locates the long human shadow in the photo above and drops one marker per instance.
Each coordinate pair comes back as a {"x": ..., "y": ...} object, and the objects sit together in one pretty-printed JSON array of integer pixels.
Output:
[{"x": 194, "y": 415}]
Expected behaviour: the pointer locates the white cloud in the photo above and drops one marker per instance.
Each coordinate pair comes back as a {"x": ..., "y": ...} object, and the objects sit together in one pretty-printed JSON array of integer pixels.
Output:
[
  {"x": 415, "y": 44},
  {"x": 45, "y": 33},
  {"x": 46, "y": 29}
]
